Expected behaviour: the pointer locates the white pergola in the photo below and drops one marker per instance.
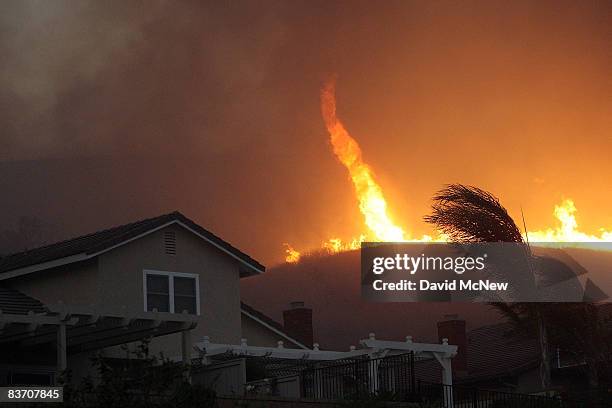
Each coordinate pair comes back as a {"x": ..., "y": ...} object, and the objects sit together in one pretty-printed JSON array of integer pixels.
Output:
[
  {"x": 84, "y": 328},
  {"x": 370, "y": 347}
]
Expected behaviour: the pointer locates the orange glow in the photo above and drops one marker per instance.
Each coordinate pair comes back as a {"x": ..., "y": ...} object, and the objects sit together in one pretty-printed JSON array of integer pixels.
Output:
[
  {"x": 370, "y": 197},
  {"x": 567, "y": 231},
  {"x": 291, "y": 255},
  {"x": 334, "y": 245},
  {"x": 372, "y": 202},
  {"x": 373, "y": 205},
  {"x": 566, "y": 234}
]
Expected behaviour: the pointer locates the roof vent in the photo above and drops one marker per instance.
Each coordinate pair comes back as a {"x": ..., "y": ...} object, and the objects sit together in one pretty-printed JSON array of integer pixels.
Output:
[{"x": 170, "y": 242}]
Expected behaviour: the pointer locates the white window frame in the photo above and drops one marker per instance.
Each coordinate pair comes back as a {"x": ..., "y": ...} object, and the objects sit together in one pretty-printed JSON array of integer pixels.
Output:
[{"x": 171, "y": 276}]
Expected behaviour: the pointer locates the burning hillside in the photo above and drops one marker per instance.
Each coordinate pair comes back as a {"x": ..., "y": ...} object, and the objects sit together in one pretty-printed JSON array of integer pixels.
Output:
[{"x": 374, "y": 208}]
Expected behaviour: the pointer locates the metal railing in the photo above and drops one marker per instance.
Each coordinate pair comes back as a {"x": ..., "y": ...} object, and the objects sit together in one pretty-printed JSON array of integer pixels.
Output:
[
  {"x": 392, "y": 376},
  {"x": 435, "y": 395}
]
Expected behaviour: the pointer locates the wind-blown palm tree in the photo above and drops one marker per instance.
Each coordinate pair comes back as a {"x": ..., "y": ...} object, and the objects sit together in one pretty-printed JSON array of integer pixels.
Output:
[{"x": 467, "y": 214}]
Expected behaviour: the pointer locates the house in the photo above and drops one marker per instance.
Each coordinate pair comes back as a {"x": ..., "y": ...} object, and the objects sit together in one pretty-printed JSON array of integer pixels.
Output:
[
  {"x": 172, "y": 282},
  {"x": 165, "y": 278},
  {"x": 497, "y": 357}
]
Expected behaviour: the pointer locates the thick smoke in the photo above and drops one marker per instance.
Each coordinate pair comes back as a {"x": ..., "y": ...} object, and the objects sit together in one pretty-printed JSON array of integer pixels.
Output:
[
  {"x": 111, "y": 111},
  {"x": 125, "y": 78}
]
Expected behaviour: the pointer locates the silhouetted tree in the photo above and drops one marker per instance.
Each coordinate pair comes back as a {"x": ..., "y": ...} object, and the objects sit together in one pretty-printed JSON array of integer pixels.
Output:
[
  {"x": 467, "y": 214},
  {"x": 584, "y": 330}
]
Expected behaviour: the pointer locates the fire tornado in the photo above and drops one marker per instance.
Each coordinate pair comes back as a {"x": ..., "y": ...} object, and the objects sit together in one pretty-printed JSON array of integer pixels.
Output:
[{"x": 372, "y": 203}]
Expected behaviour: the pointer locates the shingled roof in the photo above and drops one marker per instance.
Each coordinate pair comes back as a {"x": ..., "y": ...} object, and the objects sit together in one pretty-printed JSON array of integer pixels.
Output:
[
  {"x": 495, "y": 351},
  {"x": 15, "y": 302},
  {"x": 92, "y": 244}
]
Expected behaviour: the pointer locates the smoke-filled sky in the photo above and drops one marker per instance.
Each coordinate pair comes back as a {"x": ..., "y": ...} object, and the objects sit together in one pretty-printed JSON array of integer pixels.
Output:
[{"x": 113, "y": 111}]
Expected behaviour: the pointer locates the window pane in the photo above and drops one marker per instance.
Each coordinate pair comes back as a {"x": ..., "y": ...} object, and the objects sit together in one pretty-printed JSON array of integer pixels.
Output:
[
  {"x": 184, "y": 303},
  {"x": 184, "y": 286},
  {"x": 157, "y": 284},
  {"x": 159, "y": 302}
]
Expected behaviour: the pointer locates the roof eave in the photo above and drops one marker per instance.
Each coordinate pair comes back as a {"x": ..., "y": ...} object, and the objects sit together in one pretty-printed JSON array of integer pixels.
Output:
[
  {"x": 246, "y": 268},
  {"x": 274, "y": 329},
  {"x": 43, "y": 265}
]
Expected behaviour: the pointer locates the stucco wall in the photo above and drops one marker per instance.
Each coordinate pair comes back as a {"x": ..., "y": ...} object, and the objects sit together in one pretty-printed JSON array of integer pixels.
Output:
[
  {"x": 121, "y": 283},
  {"x": 70, "y": 284},
  {"x": 115, "y": 280}
]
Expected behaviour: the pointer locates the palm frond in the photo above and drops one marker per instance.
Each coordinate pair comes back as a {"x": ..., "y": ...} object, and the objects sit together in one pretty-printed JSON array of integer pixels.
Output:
[{"x": 469, "y": 214}]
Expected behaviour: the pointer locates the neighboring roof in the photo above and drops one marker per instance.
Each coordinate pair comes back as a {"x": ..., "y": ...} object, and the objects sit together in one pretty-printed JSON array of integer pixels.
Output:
[
  {"x": 91, "y": 245},
  {"x": 495, "y": 351},
  {"x": 15, "y": 302},
  {"x": 268, "y": 322}
]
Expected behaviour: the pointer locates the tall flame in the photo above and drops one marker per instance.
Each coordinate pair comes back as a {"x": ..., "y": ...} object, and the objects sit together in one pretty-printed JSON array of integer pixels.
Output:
[
  {"x": 372, "y": 202},
  {"x": 373, "y": 205},
  {"x": 567, "y": 231}
]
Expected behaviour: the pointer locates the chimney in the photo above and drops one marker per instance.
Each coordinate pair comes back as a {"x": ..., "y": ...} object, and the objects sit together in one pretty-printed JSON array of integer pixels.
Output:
[
  {"x": 453, "y": 329},
  {"x": 298, "y": 323}
]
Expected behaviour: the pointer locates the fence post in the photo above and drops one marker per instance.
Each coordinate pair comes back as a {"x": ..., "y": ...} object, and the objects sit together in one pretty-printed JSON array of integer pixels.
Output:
[
  {"x": 373, "y": 364},
  {"x": 412, "y": 373},
  {"x": 447, "y": 377},
  {"x": 61, "y": 347}
]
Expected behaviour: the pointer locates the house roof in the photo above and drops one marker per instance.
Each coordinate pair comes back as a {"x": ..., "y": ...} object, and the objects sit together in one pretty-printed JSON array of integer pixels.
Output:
[
  {"x": 91, "y": 245},
  {"x": 495, "y": 351},
  {"x": 256, "y": 313},
  {"x": 269, "y": 322},
  {"x": 15, "y": 302}
]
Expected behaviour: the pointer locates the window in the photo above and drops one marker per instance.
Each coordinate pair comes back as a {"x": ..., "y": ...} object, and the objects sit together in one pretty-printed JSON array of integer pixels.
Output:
[
  {"x": 158, "y": 293},
  {"x": 171, "y": 292},
  {"x": 185, "y": 297}
]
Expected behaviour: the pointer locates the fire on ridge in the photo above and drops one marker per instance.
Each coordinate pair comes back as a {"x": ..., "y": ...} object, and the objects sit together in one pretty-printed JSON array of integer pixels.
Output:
[{"x": 373, "y": 206}]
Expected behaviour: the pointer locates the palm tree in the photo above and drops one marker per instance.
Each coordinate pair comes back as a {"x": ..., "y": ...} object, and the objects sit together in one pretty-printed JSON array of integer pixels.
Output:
[
  {"x": 584, "y": 330},
  {"x": 467, "y": 214}
]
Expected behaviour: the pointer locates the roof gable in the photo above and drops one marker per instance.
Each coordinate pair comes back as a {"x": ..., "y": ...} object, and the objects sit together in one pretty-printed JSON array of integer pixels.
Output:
[{"x": 92, "y": 245}]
